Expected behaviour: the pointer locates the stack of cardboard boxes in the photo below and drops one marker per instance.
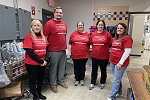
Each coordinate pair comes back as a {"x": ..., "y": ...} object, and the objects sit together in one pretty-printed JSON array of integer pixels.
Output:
[
  {"x": 147, "y": 77},
  {"x": 140, "y": 84}
]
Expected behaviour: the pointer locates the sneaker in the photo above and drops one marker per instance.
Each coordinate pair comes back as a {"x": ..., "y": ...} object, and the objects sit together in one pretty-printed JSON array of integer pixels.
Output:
[
  {"x": 109, "y": 99},
  {"x": 76, "y": 83},
  {"x": 82, "y": 83},
  {"x": 91, "y": 86},
  {"x": 42, "y": 97},
  {"x": 118, "y": 95},
  {"x": 102, "y": 86}
]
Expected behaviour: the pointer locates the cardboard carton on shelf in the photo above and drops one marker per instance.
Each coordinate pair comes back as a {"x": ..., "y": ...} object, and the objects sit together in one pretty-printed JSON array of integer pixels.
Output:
[
  {"x": 16, "y": 69},
  {"x": 147, "y": 77},
  {"x": 129, "y": 90}
]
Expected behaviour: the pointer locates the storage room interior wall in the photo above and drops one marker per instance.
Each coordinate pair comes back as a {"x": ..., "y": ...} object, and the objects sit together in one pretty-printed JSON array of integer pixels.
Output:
[{"x": 111, "y": 14}]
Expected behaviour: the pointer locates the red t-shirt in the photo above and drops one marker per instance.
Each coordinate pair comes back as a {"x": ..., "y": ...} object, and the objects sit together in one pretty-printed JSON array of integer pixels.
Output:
[
  {"x": 56, "y": 33},
  {"x": 80, "y": 44},
  {"x": 38, "y": 46},
  {"x": 101, "y": 42},
  {"x": 118, "y": 48}
]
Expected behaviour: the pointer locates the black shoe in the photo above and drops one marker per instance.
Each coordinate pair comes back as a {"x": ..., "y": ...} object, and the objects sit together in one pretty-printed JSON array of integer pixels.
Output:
[
  {"x": 35, "y": 97},
  {"x": 42, "y": 96}
]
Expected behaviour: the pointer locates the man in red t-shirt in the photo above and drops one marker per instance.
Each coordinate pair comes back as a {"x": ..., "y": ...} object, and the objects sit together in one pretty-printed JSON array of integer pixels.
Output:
[{"x": 55, "y": 30}]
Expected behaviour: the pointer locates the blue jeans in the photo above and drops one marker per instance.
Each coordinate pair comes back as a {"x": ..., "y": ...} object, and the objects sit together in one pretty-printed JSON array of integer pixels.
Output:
[{"x": 116, "y": 84}]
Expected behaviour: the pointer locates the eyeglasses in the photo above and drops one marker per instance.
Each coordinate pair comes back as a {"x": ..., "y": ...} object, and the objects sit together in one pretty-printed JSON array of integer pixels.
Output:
[{"x": 80, "y": 25}]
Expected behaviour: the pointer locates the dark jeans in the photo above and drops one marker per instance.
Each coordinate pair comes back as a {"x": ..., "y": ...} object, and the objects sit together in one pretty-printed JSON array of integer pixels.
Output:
[
  {"x": 79, "y": 68},
  {"x": 103, "y": 67},
  {"x": 36, "y": 76}
]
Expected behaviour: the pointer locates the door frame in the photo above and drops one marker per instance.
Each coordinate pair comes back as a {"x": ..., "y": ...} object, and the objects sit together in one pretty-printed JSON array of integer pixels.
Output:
[
  {"x": 47, "y": 12},
  {"x": 129, "y": 15},
  {"x": 135, "y": 13}
]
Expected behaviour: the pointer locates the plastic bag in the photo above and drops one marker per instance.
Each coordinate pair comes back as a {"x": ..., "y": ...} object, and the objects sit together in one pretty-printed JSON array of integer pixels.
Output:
[{"x": 4, "y": 80}]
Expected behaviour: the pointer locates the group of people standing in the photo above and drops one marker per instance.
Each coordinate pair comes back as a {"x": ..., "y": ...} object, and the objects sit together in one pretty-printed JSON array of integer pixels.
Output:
[
  {"x": 49, "y": 47},
  {"x": 43, "y": 47}
]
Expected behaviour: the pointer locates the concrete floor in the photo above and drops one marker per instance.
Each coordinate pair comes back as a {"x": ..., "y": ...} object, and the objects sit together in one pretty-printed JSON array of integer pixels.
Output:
[{"x": 83, "y": 93}]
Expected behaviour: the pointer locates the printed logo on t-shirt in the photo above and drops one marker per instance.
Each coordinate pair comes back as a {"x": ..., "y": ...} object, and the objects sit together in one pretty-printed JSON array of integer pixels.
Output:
[
  {"x": 99, "y": 38},
  {"x": 97, "y": 44},
  {"x": 61, "y": 33},
  {"x": 60, "y": 27},
  {"x": 79, "y": 43},
  {"x": 39, "y": 42},
  {"x": 115, "y": 43},
  {"x": 81, "y": 37},
  {"x": 40, "y": 50}
]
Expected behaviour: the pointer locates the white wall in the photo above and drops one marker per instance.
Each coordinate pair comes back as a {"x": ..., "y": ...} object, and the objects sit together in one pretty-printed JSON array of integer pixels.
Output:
[
  {"x": 26, "y": 4},
  {"x": 134, "y": 5},
  {"x": 7, "y": 2},
  {"x": 38, "y": 4},
  {"x": 75, "y": 10},
  {"x": 83, "y": 9}
]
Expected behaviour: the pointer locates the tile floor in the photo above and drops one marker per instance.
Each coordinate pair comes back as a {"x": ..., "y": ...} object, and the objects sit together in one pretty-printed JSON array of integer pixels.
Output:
[{"x": 83, "y": 93}]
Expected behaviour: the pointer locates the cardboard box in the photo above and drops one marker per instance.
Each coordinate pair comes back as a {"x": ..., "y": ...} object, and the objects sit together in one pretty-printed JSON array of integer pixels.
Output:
[
  {"x": 12, "y": 90},
  {"x": 129, "y": 90},
  {"x": 147, "y": 77},
  {"x": 15, "y": 70}
]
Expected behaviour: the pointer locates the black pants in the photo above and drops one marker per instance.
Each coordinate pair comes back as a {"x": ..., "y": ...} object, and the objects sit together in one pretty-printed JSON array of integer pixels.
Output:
[
  {"x": 79, "y": 68},
  {"x": 103, "y": 67},
  {"x": 36, "y": 76}
]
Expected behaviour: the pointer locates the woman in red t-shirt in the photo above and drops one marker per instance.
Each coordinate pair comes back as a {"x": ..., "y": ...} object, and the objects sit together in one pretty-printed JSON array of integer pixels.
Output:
[
  {"x": 80, "y": 44},
  {"x": 35, "y": 46},
  {"x": 101, "y": 42},
  {"x": 119, "y": 58}
]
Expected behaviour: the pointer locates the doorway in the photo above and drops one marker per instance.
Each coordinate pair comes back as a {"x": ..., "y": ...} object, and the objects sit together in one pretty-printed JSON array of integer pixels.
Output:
[
  {"x": 137, "y": 29},
  {"x": 46, "y": 15}
]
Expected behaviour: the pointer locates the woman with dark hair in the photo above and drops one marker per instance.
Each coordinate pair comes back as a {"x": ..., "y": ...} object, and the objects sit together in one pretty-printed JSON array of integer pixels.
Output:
[
  {"x": 101, "y": 42},
  {"x": 80, "y": 44},
  {"x": 119, "y": 58}
]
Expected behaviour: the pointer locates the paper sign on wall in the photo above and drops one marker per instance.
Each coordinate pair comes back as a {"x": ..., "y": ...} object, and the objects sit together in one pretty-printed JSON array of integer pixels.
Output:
[{"x": 32, "y": 10}]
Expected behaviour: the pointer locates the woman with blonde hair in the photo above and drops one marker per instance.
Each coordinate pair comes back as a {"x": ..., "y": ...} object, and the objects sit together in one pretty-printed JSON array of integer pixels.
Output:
[{"x": 35, "y": 61}]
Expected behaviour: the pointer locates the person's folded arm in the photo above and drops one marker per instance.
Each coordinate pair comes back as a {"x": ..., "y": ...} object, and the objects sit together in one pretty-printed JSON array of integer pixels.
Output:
[{"x": 48, "y": 54}]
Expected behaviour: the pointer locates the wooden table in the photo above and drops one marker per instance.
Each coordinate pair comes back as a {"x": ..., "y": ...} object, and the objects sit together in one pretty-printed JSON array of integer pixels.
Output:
[{"x": 137, "y": 84}]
